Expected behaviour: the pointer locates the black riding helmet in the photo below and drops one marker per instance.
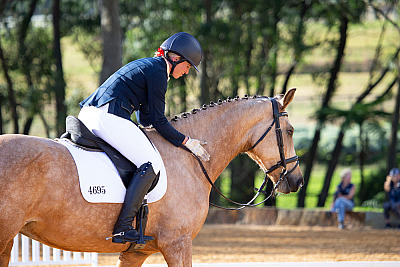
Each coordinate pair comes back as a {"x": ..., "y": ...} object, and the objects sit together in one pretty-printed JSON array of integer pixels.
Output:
[{"x": 184, "y": 45}]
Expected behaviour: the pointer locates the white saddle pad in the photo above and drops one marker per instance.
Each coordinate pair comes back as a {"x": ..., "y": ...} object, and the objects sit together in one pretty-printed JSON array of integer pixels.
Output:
[{"x": 99, "y": 179}]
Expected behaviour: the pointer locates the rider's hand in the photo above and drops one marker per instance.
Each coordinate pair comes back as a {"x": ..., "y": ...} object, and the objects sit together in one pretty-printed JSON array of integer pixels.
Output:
[{"x": 197, "y": 148}]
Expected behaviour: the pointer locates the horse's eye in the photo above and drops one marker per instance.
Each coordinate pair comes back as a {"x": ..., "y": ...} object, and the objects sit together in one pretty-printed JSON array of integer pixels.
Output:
[{"x": 290, "y": 132}]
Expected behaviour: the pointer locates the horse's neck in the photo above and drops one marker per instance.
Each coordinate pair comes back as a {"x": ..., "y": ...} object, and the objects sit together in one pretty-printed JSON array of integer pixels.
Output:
[{"x": 226, "y": 129}]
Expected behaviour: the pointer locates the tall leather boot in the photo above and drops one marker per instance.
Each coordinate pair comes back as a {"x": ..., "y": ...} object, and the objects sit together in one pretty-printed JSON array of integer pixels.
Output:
[{"x": 137, "y": 189}]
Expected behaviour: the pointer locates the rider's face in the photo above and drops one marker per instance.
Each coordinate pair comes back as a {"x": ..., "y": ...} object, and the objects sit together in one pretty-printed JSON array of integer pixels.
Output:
[{"x": 181, "y": 69}]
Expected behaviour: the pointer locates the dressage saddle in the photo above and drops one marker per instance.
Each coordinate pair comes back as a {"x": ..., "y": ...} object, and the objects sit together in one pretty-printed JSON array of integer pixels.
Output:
[{"x": 79, "y": 135}]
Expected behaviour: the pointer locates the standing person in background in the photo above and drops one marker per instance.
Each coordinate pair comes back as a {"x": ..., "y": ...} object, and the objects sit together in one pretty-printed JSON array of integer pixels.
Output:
[
  {"x": 343, "y": 197},
  {"x": 392, "y": 186}
]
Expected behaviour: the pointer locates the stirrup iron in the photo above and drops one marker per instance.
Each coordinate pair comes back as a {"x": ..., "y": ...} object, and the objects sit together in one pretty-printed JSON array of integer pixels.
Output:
[{"x": 141, "y": 221}]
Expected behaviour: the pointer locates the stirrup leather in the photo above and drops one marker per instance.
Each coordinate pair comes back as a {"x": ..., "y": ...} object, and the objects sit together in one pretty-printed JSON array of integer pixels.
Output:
[{"x": 141, "y": 222}]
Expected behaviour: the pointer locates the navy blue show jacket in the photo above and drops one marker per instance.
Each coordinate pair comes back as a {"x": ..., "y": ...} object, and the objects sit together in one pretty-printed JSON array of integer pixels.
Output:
[{"x": 138, "y": 86}]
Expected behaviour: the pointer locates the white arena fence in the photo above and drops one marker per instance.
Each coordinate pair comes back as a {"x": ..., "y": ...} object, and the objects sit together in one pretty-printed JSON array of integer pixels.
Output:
[{"x": 28, "y": 252}]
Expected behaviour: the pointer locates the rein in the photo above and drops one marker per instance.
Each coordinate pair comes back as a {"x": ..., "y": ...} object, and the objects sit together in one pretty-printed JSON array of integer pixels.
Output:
[{"x": 282, "y": 163}]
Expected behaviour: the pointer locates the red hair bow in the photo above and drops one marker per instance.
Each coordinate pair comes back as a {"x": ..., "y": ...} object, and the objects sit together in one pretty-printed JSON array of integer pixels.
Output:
[{"x": 160, "y": 52}]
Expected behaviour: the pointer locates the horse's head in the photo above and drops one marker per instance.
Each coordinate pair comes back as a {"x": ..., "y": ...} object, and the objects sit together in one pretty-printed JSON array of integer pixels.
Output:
[{"x": 271, "y": 145}]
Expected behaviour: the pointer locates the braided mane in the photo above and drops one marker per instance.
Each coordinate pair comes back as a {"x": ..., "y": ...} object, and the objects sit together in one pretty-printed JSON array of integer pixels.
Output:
[{"x": 213, "y": 104}]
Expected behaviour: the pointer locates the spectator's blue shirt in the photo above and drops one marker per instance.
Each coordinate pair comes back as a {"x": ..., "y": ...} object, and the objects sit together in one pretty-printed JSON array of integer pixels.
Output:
[
  {"x": 138, "y": 86},
  {"x": 394, "y": 193},
  {"x": 344, "y": 190}
]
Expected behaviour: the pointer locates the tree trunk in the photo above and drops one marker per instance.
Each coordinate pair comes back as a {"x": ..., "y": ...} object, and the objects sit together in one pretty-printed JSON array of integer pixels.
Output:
[
  {"x": 331, "y": 168},
  {"x": 28, "y": 125},
  {"x": 111, "y": 38},
  {"x": 25, "y": 64},
  {"x": 45, "y": 125},
  {"x": 23, "y": 29},
  {"x": 10, "y": 91},
  {"x": 321, "y": 120},
  {"x": 1, "y": 114},
  {"x": 309, "y": 159},
  {"x": 3, "y": 4},
  {"x": 243, "y": 171},
  {"x": 204, "y": 90},
  {"x": 299, "y": 46},
  {"x": 273, "y": 66},
  {"x": 249, "y": 45},
  {"x": 182, "y": 94},
  {"x": 363, "y": 157},
  {"x": 272, "y": 200},
  {"x": 59, "y": 86},
  {"x": 393, "y": 133},
  {"x": 287, "y": 77}
]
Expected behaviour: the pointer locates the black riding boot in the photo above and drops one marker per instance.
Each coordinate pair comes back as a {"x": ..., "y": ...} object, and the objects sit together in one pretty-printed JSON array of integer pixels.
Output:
[{"x": 137, "y": 189}]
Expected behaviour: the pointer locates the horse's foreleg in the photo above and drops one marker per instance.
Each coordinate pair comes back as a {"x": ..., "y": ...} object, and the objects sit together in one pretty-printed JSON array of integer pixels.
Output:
[
  {"x": 6, "y": 254},
  {"x": 178, "y": 253},
  {"x": 132, "y": 259}
]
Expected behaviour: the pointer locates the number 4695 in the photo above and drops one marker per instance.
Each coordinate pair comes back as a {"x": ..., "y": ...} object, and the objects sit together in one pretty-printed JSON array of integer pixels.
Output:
[{"x": 99, "y": 189}]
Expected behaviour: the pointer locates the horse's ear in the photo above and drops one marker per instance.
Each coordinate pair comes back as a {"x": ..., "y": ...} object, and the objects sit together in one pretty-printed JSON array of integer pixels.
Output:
[{"x": 287, "y": 98}]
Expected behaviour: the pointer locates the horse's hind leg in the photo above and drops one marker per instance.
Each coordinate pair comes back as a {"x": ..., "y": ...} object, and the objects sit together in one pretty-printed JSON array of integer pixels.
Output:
[
  {"x": 6, "y": 254},
  {"x": 132, "y": 259}
]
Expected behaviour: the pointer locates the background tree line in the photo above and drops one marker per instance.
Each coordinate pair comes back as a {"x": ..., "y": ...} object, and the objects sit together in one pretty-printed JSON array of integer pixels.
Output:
[{"x": 250, "y": 47}]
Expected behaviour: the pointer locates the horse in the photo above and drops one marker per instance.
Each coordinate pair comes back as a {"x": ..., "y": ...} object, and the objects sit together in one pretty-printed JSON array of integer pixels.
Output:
[{"x": 41, "y": 198}]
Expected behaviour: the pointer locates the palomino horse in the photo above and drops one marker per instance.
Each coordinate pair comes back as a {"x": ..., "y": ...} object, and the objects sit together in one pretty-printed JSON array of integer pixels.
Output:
[{"x": 40, "y": 195}]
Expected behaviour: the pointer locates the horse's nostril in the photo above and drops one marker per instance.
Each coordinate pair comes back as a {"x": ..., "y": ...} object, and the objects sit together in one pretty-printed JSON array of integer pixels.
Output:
[{"x": 300, "y": 183}]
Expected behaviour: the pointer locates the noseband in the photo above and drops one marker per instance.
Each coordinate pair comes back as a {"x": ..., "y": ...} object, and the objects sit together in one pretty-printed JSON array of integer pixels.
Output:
[{"x": 282, "y": 163}]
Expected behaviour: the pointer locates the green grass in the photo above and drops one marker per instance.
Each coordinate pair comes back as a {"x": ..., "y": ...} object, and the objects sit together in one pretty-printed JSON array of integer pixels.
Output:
[
  {"x": 289, "y": 201},
  {"x": 315, "y": 185}
]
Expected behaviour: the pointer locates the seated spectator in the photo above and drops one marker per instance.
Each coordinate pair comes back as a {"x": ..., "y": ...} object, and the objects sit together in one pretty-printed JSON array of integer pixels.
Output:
[
  {"x": 343, "y": 197},
  {"x": 392, "y": 186}
]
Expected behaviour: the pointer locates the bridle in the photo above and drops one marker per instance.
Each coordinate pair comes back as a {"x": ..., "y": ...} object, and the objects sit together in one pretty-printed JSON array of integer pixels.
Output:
[{"x": 282, "y": 163}]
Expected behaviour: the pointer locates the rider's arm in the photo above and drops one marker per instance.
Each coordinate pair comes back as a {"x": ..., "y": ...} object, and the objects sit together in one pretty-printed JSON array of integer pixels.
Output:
[
  {"x": 351, "y": 193},
  {"x": 157, "y": 87},
  {"x": 386, "y": 185}
]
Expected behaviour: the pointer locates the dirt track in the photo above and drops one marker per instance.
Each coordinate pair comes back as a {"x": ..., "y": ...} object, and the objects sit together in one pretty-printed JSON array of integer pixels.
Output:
[{"x": 249, "y": 243}]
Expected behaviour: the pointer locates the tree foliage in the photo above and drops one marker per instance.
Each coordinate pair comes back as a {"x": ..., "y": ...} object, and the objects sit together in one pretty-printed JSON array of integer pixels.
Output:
[{"x": 250, "y": 47}]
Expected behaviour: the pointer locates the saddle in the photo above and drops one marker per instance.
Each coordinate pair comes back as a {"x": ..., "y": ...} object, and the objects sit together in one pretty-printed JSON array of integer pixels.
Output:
[{"x": 79, "y": 135}]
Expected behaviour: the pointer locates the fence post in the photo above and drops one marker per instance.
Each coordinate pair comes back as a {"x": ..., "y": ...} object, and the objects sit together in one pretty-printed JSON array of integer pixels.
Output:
[{"x": 30, "y": 251}]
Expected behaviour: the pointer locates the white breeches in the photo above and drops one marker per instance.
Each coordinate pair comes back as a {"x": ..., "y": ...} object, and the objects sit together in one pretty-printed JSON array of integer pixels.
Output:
[{"x": 121, "y": 134}]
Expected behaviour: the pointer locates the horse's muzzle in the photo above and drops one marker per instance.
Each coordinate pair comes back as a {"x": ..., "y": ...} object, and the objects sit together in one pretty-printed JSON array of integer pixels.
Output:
[{"x": 292, "y": 182}]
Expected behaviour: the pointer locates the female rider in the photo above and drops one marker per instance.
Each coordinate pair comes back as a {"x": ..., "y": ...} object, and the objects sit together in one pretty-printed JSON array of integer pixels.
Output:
[{"x": 141, "y": 86}]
